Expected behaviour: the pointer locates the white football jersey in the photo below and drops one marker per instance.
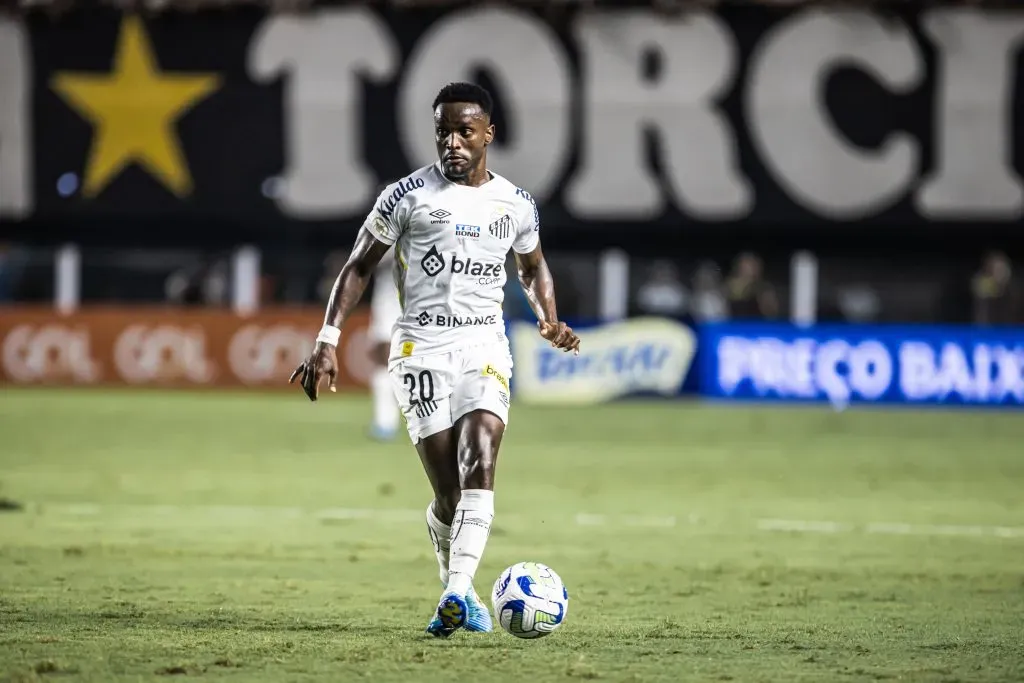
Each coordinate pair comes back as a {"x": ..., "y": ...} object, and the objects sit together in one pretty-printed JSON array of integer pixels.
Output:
[{"x": 451, "y": 243}]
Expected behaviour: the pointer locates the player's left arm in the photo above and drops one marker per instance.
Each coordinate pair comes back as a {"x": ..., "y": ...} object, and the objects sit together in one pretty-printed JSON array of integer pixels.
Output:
[
  {"x": 539, "y": 286},
  {"x": 535, "y": 277}
]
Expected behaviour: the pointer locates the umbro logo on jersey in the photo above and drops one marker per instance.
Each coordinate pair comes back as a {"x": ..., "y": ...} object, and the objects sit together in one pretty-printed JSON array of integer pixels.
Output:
[
  {"x": 433, "y": 263},
  {"x": 440, "y": 217},
  {"x": 501, "y": 228}
]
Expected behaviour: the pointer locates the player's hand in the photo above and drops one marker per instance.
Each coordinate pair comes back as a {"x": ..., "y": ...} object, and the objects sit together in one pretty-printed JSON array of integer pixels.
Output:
[
  {"x": 561, "y": 336},
  {"x": 321, "y": 361}
]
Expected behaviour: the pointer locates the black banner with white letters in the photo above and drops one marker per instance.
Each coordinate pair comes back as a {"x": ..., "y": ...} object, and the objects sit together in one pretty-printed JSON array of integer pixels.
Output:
[{"x": 243, "y": 126}]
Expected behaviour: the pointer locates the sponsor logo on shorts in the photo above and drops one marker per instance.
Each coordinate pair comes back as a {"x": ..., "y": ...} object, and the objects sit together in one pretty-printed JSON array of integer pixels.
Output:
[
  {"x": 491, "y": 371},
  {"x": 407, "y": 348},
  {"x": 424, "y": 408},
  {"x": 472, "y": 231},
  {"x": 504, "y": 398}
]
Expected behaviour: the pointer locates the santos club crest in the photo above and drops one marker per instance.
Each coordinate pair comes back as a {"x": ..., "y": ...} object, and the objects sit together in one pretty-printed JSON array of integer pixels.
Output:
[{"x": 501, "y": 228}]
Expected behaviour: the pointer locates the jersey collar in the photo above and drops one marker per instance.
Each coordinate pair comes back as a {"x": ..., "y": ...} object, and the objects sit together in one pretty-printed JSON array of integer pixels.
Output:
[{"x": 491, "y": 175}]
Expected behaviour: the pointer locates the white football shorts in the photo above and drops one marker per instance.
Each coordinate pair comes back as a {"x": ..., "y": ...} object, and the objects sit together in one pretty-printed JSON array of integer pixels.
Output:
[{"x": 435, "y": 390}]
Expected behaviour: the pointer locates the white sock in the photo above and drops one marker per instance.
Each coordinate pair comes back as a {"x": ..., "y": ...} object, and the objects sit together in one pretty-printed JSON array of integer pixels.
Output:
[
  {"x": 385, "y": 406},
  {"x": 470, "y": 528},
  {"x": 439, "y": 536}
]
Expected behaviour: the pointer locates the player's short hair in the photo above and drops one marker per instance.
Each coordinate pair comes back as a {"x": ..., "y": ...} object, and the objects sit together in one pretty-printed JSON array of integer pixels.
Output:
[{"x": 465, "y": 92}]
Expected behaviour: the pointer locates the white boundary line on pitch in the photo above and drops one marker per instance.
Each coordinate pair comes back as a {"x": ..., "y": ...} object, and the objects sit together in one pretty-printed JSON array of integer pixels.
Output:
[
  {"x": 889, "y": 528},
  {"x": 398, "y": 515}
]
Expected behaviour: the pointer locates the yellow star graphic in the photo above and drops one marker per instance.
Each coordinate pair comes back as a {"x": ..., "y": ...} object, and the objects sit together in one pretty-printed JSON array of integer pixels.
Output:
[{"x": 133, "y": 111}]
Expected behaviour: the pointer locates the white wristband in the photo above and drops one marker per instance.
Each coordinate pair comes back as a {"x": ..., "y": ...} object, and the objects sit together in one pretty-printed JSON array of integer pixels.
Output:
[{"x": 329, "y": 335}]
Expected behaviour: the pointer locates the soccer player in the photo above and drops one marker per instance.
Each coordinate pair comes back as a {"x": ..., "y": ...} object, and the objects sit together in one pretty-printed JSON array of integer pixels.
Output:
[
  {"x": 384, "y": 311},
  {"x": 452, "y": 224}
]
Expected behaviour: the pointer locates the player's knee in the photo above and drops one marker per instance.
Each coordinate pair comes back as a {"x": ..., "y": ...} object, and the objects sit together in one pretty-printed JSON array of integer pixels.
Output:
[{"x": 476, "y": 469}]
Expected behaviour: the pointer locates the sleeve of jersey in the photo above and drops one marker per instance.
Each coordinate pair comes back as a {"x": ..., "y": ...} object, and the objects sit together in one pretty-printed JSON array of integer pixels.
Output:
[
  {"x": 528, "y": 236},
  {"x": 384, "y": 221}
]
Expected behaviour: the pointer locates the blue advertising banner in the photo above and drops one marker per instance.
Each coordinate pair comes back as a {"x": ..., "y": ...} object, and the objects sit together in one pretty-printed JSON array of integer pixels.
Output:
[
  {"x": 640, "y": 356},
  {"x": 863, "y": 364}
]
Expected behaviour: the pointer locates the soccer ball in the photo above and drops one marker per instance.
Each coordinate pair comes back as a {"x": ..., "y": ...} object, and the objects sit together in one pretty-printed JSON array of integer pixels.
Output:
[{"x": 530, "y": 600}]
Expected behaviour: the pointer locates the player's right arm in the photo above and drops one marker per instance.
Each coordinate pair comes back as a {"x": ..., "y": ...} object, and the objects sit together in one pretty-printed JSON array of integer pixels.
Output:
[
  {"x": 380, "y": 230},
  {"x": 355, "y": 275}
]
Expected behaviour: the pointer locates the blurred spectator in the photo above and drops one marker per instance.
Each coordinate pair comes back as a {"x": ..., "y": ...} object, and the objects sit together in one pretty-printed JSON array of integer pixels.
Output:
[
  {"x": 206, "y": 284},
  {"x": 667, "y": 7},
  {"x": 217, "y": 283},
  {"x": 750, "y": 296},
  {"x": 12, "y": 263},
  {"x": 708, "y": 302},
  {"x": 568, "y": 293},
  {"x": 992, "y": 292},
  {"x": 859, "y": 304},
  {"x": 662, "y": 293},
  {"x": 516, "y": 305}
]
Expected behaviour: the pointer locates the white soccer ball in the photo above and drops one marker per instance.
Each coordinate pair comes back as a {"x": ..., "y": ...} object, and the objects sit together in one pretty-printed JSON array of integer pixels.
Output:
[{"x": 530, "y": 600}]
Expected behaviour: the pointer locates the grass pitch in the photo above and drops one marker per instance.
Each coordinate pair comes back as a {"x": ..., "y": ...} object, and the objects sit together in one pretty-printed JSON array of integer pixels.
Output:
[{"x": 263, "y": 538}]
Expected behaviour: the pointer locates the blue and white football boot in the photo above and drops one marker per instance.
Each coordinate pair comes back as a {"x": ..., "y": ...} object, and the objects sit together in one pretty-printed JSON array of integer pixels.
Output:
[
  {"x": 455, "y": 612},
  {"x": 479, "y": 616}
]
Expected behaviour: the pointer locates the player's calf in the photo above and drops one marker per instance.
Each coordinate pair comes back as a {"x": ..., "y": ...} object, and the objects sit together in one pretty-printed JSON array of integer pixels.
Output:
[
  {"x": 470, "y": 529},
  {"x": 440, "y": 536}
]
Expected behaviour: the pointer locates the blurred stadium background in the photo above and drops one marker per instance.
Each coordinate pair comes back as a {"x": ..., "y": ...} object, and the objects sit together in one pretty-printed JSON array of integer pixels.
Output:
[{"x": 746, "y": 205}]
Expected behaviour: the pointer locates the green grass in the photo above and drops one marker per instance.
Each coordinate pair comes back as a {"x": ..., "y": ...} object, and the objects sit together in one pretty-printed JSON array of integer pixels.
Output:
[{"x": 219, "y": 537}]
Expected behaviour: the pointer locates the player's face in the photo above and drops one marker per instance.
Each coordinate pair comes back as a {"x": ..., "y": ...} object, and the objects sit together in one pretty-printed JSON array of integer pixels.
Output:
[{"x": 462, "y": 132}]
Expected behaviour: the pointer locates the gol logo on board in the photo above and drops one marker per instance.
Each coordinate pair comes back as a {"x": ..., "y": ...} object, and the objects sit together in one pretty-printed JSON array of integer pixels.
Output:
[
  {"x": 51, "y": 352},
  {"x": 262, "y": 354},
  {"x": 163, "y": 353}
]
